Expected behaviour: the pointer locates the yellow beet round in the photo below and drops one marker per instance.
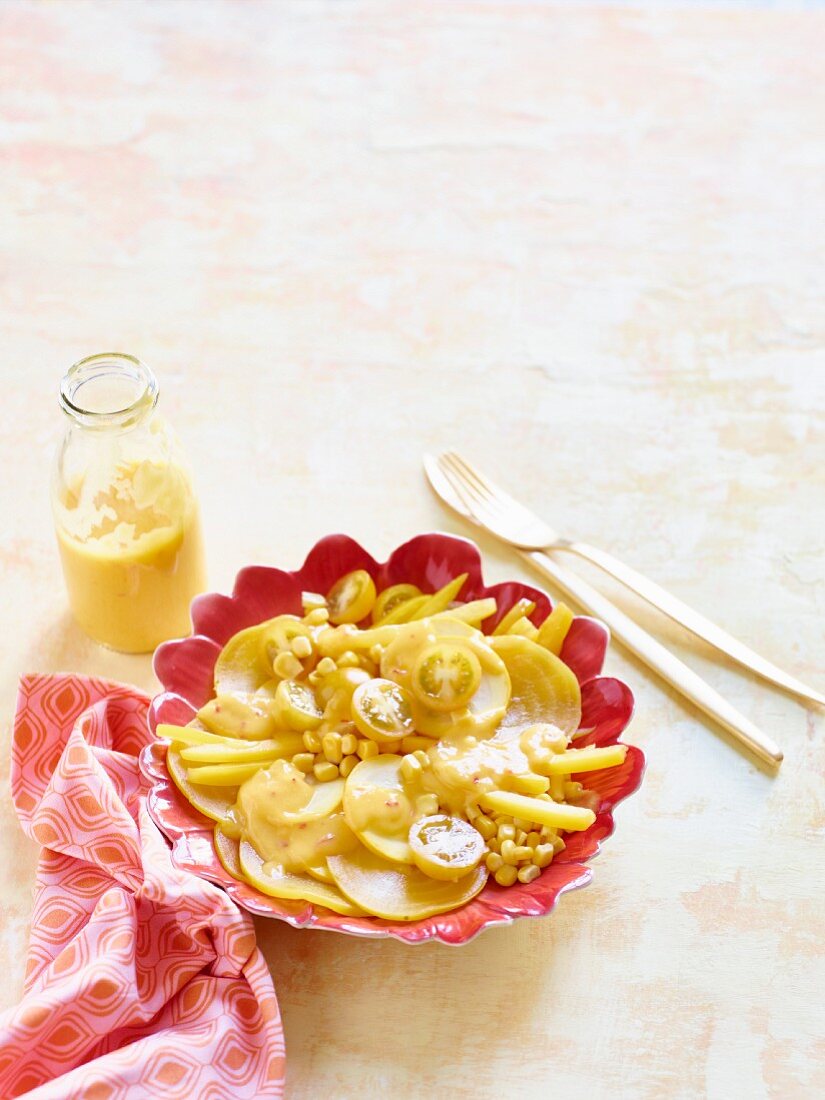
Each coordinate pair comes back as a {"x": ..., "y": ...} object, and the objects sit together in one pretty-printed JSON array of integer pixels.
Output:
[
  {"x": 398, "y": 892},
  {"x": 543, "y": 688},
  {"x": 277, "y": 883}
]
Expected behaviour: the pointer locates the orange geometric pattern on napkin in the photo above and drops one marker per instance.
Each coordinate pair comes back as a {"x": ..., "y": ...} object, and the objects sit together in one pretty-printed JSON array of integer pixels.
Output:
[{"x": 142, "y": 979}]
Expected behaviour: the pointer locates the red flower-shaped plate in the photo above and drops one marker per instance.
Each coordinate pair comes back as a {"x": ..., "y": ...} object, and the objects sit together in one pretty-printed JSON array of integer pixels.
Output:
[{"x": 185, "y": 669}]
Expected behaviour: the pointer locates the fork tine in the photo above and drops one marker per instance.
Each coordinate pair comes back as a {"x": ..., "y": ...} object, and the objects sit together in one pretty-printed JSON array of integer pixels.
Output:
[
  {"x": 465, "y": 490},
  {"x": 487, "y": 502}
]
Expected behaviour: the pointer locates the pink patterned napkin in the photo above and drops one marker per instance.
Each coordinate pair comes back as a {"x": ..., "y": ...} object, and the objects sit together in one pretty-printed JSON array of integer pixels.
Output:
[{"x": 142, "y": 980}]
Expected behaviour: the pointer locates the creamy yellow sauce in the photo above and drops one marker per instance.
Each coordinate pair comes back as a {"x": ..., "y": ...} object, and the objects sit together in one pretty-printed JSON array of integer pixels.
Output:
[{"x": 132, "y": 555}]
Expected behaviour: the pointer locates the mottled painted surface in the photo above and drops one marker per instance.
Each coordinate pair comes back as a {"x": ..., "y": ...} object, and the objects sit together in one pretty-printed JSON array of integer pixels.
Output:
[{"x": 585, "y": 246}]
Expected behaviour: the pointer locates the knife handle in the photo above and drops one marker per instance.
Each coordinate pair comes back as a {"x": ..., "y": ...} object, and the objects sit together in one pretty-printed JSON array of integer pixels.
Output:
[{"x": 656, "y": 657}]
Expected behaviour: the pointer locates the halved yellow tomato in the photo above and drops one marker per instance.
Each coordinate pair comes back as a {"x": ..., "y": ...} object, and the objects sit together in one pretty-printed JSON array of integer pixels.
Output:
[
  {"x": 381, "y": 710},
  {"x": 278, "y": 637},
  {"x": 378, "y": 808},
  {"x": 399, "y": 892},
  {"x": 351, "y": 598},
  {"x": 391, "y": 598},
  {"x": 446, "y": 675},
  {"x": 445, "y": 847},
  {"x": 544, "y": 689},
  {"x": 272, "y": 879},
  {"x": 297, "y": 707}
]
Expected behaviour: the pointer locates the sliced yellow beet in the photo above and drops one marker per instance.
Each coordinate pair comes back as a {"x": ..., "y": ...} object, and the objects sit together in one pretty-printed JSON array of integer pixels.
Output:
[
  {"x": 239, "y": 667},
  {"x": 245, "y": 716},
  {"x": 557, "y": 815},
  {"x": 325, "y": 800},
  {"x": 400, "y": 892},
  {"x": 211, "y": 802},
  {"x": 223, "y": 775},
  {"x": 377, "y": 808},
  {"x": 321, "y": 872},
  {"x": 554, "y": 629},
  {"x": 441, "y": 600},
  {"x": 228, "y": 851},
  {"x": 543, "y": 688},
  {"x": 244, "y": 752},
  {"x": 277, "y": 883},
  {"x": 592, "y": 759}
]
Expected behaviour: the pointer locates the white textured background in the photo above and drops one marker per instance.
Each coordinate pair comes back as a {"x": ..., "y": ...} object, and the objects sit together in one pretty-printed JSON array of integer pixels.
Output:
[{"x": 586, "y": 246}]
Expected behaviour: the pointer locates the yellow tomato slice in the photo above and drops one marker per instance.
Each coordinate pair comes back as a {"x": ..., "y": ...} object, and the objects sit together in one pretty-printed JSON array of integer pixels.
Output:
[
  {"x": 351, "y": 598},
  {"x": 446, "y": 675},
  {"x": 278, "y": 637},
  {"x": 377, "y": 807},
  {"x": 271, "y": 879},
  {"x": 544, "y": 689},
  {"x": 391, "y": 598},
  {"x": 381, "y": 710},
  {"x": 398, "y": 892},
  {"x": 297, "y": 707},
  {"x": 445, "y": 847}
]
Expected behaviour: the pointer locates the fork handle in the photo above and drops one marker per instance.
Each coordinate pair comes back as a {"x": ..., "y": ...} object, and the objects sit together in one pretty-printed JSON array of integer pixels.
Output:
[
  {"x": 700, "y": 626},
  {"x": 659, "y": 659}
]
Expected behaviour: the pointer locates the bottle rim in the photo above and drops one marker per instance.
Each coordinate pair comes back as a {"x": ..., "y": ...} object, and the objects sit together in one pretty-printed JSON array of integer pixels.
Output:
[{"x": 122, "y": 386}]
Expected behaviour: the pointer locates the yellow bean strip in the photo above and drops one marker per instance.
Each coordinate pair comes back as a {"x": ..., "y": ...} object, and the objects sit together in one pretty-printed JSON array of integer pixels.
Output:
[
  {"x": 188, "y": 735},
  {"x": 473, "y": 612},
  {"x": 440, "y": 600},
  {"x": 556, "y": 814},
  {"x": 554, "y": 629},
  {"x": 243, "y": 753},
  {"x": 519, "y": 609},
  {"x": 585, "y": 760},
  {"x": 222, "y": 775}
]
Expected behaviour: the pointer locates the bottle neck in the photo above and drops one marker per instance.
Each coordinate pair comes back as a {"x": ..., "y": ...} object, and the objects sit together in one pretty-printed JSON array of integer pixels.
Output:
[{"x": 108, "y": 392}]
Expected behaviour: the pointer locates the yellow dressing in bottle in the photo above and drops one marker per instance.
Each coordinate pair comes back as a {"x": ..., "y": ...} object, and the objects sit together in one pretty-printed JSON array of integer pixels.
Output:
[{"x": 126, "y": 517}]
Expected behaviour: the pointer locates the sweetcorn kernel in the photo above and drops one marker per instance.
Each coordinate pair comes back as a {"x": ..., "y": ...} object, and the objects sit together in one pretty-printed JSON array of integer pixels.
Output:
[
  {"x": 312, "y": 742},
  {"x": 410, "y": 768},
  {"x": 312, "y": 600},
  {"x": 317, "y": 616},
  {"x": 494, "y": 862},
  {"x": 367, "y": 748},
  {"x": 287, "y": 666},
  {"x": 325, "y": 666},
  {"x": 422, "y": 758},
  {"x": 522, "y": 852},
  {"x": 506, "y": 832},
  {"x": 391, "y": 746},
  {"x": 508, "y": 851},
  {"x": 349, "y": 744},
  {"x": 528, "y": 872},
  {"x": 347, "y": 764},
  {"x": 325, "y": 771},
  {"x": 348, "y": 660},
  {"x": 533, "y": 839},
  {"x": 376, "y": 653},
  {"x": 485, "y": 826},
  {"x": 506, "y": 875},
  {"x": 543, "y": 855},
  {"x": 521, "y": 837},
  {"x": 303, "y": 761},
  {"x": 301, "y": 646},
  {"x": 331, "y": 744}
]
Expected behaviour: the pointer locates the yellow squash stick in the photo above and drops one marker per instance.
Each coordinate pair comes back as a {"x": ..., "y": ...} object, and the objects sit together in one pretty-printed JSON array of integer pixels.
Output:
[
  {"x": 557, "y": 815},
  {"x": 441, "y": 600},
  {"x": 554, "y": 629},
  {"x": 188, "y": 735},
  {"x": 223, "y": 775},
  {"x": 286, "y": 744},
  {"x": 519, "y": 609},
  {"x": 584, "y": 760}
]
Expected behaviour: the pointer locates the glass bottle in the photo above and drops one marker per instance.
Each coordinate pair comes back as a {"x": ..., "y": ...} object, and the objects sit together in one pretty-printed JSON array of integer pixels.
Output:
[{"x": 126, "y": 517}]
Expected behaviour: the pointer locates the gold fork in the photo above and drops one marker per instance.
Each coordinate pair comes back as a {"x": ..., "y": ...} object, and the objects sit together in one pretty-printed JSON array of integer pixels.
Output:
[{"x": 470, "y": 496}]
